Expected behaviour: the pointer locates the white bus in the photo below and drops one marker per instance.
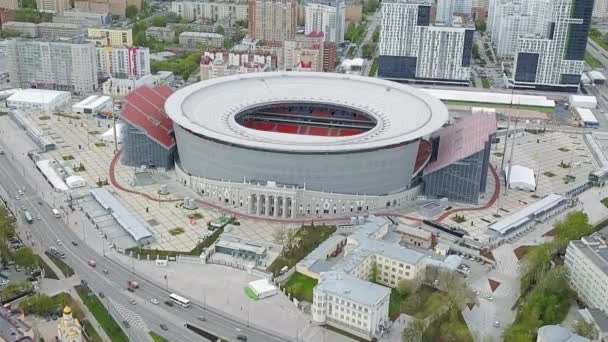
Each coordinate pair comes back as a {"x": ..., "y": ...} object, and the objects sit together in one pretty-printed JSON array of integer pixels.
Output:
[{"x": 179, "y": 300}]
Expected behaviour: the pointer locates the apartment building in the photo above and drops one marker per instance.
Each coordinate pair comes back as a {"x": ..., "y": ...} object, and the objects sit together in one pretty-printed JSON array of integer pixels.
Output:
[
  {"x": 53, "y": 31},
  {"x": 123, "y": 62},
  {"x": 328, "y": 17},
  {"x": 211, "y": 10},
  {"x": 600, "y": 9},
  {"x": 193, "y": 40},
  {"x": 160, "y": 33},
  {"x": 555, "y": 61},
  {"x": 53, "y": 6},
  {"x": 351, "y": 304},
  {"x": 67, "y": 65},
  {"x": 84, "y": 19},
  {"x": 304, "y": 53},
  {"x": 9, "y": 4},
  {"x": 112, "y": 36},
  {"x": 272, "y": 20},
  {"x": 115, "y": 7},
  {"x": 219, "y": 63},
  {"x": 25, "y": 29},
  {"x": 508, "y": 20},
  {"x": 587, "y": 266},
  {"x": 411, "y": 49}
]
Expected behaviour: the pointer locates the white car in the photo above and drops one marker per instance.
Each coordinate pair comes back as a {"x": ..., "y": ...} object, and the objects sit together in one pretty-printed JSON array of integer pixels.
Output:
[
  {"x": 154, "y": 301},
  {"x": 4, "y": 282},
  {"x": 133, "y": 302},
  {"x": 59, "y": 242}
]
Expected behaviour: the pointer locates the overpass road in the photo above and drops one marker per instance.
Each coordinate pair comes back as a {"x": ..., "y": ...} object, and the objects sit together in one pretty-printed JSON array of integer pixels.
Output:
[{"x": 143, "y": 316}]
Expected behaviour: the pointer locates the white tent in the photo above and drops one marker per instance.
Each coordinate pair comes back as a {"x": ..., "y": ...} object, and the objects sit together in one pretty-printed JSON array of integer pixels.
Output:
[
  {"x": 75, "y": 182},
  {"x": 262, "y": 288},
  {"x": 109, "y": 134},
  {"x": 522, "y": 178}
]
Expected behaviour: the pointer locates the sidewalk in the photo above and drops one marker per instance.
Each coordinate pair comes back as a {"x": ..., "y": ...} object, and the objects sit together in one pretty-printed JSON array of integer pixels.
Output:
[{"x": 67, "y": 285}]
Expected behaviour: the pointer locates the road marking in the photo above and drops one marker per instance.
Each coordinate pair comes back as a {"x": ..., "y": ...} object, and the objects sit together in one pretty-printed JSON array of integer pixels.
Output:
[{"x": 134, "y": 319}]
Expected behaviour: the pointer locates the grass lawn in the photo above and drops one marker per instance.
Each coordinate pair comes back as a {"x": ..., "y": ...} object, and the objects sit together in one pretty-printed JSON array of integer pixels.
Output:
[
  {"x": 300, "y": 286},
  {"x": 249, "y": 292},
  {"x": 549, "y": 110},
  {"x": 485, "y": 83},
  {"x": 65, "y": 269},
  {"x": 48, "y": 271},
  {"x": 598, "y": 40},
  {"x": 101, "y": 315},
  {"x": 157, "y": 338},
  {"x": 605, "y": 202},
  {"x": 91, "y": 332},
  {"x": 308, "y": 238},
  {"x": 592, "y": 61}
]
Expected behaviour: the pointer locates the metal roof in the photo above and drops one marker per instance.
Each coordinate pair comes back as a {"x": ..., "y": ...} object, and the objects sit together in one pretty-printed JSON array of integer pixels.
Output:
[
  {"x": 488, "y": 97},
  {"x": 402, "y": 113},
  {"x": 463, "y": 139},
  {"x": 93, "y": 102},
  {"x": 137, "y": 230},
  {"x": 523, "y": 216},
  {"x": 38, "y": 96},
  {"x": 352, "y": 288},
  {"x": 144, "y": 109}
]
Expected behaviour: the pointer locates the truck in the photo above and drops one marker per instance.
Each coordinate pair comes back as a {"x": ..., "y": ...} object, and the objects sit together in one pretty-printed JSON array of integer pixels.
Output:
[{"x": 28, "y": 216}]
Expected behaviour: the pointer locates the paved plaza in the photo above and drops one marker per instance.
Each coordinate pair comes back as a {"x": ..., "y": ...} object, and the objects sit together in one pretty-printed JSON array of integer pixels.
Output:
[{"x": 544, "y": 153}]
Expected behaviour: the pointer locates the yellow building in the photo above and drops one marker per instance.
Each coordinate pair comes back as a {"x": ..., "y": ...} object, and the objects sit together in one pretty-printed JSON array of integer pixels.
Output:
[
  {"x": 112, "y": 36},
  {"x": 69, "y": 328}
]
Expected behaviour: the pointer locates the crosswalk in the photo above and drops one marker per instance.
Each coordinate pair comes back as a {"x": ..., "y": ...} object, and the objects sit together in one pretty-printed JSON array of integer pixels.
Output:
[{"x": 134, "y": 319}]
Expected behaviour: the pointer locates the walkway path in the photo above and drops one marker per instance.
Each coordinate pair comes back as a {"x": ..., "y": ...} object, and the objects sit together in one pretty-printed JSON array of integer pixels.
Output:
[{"x": 445, "y": 215}]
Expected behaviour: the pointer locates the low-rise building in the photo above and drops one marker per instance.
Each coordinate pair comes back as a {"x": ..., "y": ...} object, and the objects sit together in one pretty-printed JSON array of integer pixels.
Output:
[
  {"x": 38, "y": 100},
  {"x": 193, "y": 40},
  {"x": 25, "y": 29},
  {"x": 112, "y": 36},
  {"x": 357, "y": 306},
  {"x": 9, "y": 4},
  {"x": 69, "y": 328},
  {"x": 160, "y": 33},
  {"x": 415, "y": 236},
  {"x": 58, "y": 30},
  {"x": 84, "y": 19},
  {"x": 92, "y": 104},
  {"x": 557, "y": 333},
  {"x": 587, "y": 266},
  {"x": 123, "y": 86},
  {"x": 219, "y": 63},
  {"x": 13, "y": 327}
]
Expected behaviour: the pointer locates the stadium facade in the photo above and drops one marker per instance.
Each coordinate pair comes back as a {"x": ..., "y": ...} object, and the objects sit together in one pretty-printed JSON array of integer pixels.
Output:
[{"x": 293, "y": 145}]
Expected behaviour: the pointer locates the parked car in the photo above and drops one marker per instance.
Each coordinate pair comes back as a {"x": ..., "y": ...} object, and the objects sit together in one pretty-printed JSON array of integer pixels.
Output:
[
  {"x": 154, "y": 301},
  {"x": 164, "y": 327},
  {"x": 130, "y": 289},
  {"x": 201, "y": 318},
  {"x": 133, "y": 302},
  {"x": 101, "y": 295},
  {"x": 84, "y": 282},
  {"x": 241, "y": 337},
  {"x": 74, "y": 243},
  {"x": 126, "y": 324}
]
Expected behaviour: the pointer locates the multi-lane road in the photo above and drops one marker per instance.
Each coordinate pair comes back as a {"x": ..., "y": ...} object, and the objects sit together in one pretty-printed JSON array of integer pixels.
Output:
[{"x": 142, "y": 316}]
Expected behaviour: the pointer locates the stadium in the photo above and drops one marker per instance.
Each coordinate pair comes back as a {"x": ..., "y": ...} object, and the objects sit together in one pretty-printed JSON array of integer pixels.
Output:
[{"x": 292, "y": 144}]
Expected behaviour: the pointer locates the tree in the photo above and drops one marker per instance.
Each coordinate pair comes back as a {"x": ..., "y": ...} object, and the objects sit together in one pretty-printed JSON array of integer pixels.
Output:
[
  {"x": 536, "y": 264},
  {"x": 481, "y": 25},
  {"x": 219, "y": 29},
  {"x": 585, "y": 329},
  {"x": 290, "y": 237},
  {"x": 368, "y": 50},
  {"x": 376, "y": 35},
  {"x": 414, "y": 331},
  {"x": 279, "y": 236},
  {"x": 573, "y": 227},
  {"x": 373, "y": 274},
  {"x": 371, "y": 6},
  {"x": 172, "y": 17},
  {"x": 228, "y": 43},
  {"x": 131, "y": 12},
  {"x": 25, "y": 257},
  {"x": 405, "y": 287},
  {"x": 158, "y": 21},
  {"x": 7, "y": 229}
]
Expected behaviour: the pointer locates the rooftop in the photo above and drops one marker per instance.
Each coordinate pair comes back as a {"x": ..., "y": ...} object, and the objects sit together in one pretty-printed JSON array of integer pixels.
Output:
[
  {"x": 413, "y": 231},
  {"x": 144, "y": 109},
  {"x": 93, "y": 101},
  {"x": 556, "y": 333},
  {"x": 202, "y": 34},
  {"x": 595, "y": 249},
  {"x": 209, "y": 108},
  {"x": 37, "y": 96},
  {"x": 137, "y": 230},
  {"x": 522, "y": 216},
  {"x": 352, "y": 288},
  {"x": 463, "y": 139}
]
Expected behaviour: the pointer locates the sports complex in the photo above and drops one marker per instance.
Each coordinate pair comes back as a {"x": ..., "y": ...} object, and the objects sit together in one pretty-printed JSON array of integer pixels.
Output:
[{"x": 291, "y": 144}]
